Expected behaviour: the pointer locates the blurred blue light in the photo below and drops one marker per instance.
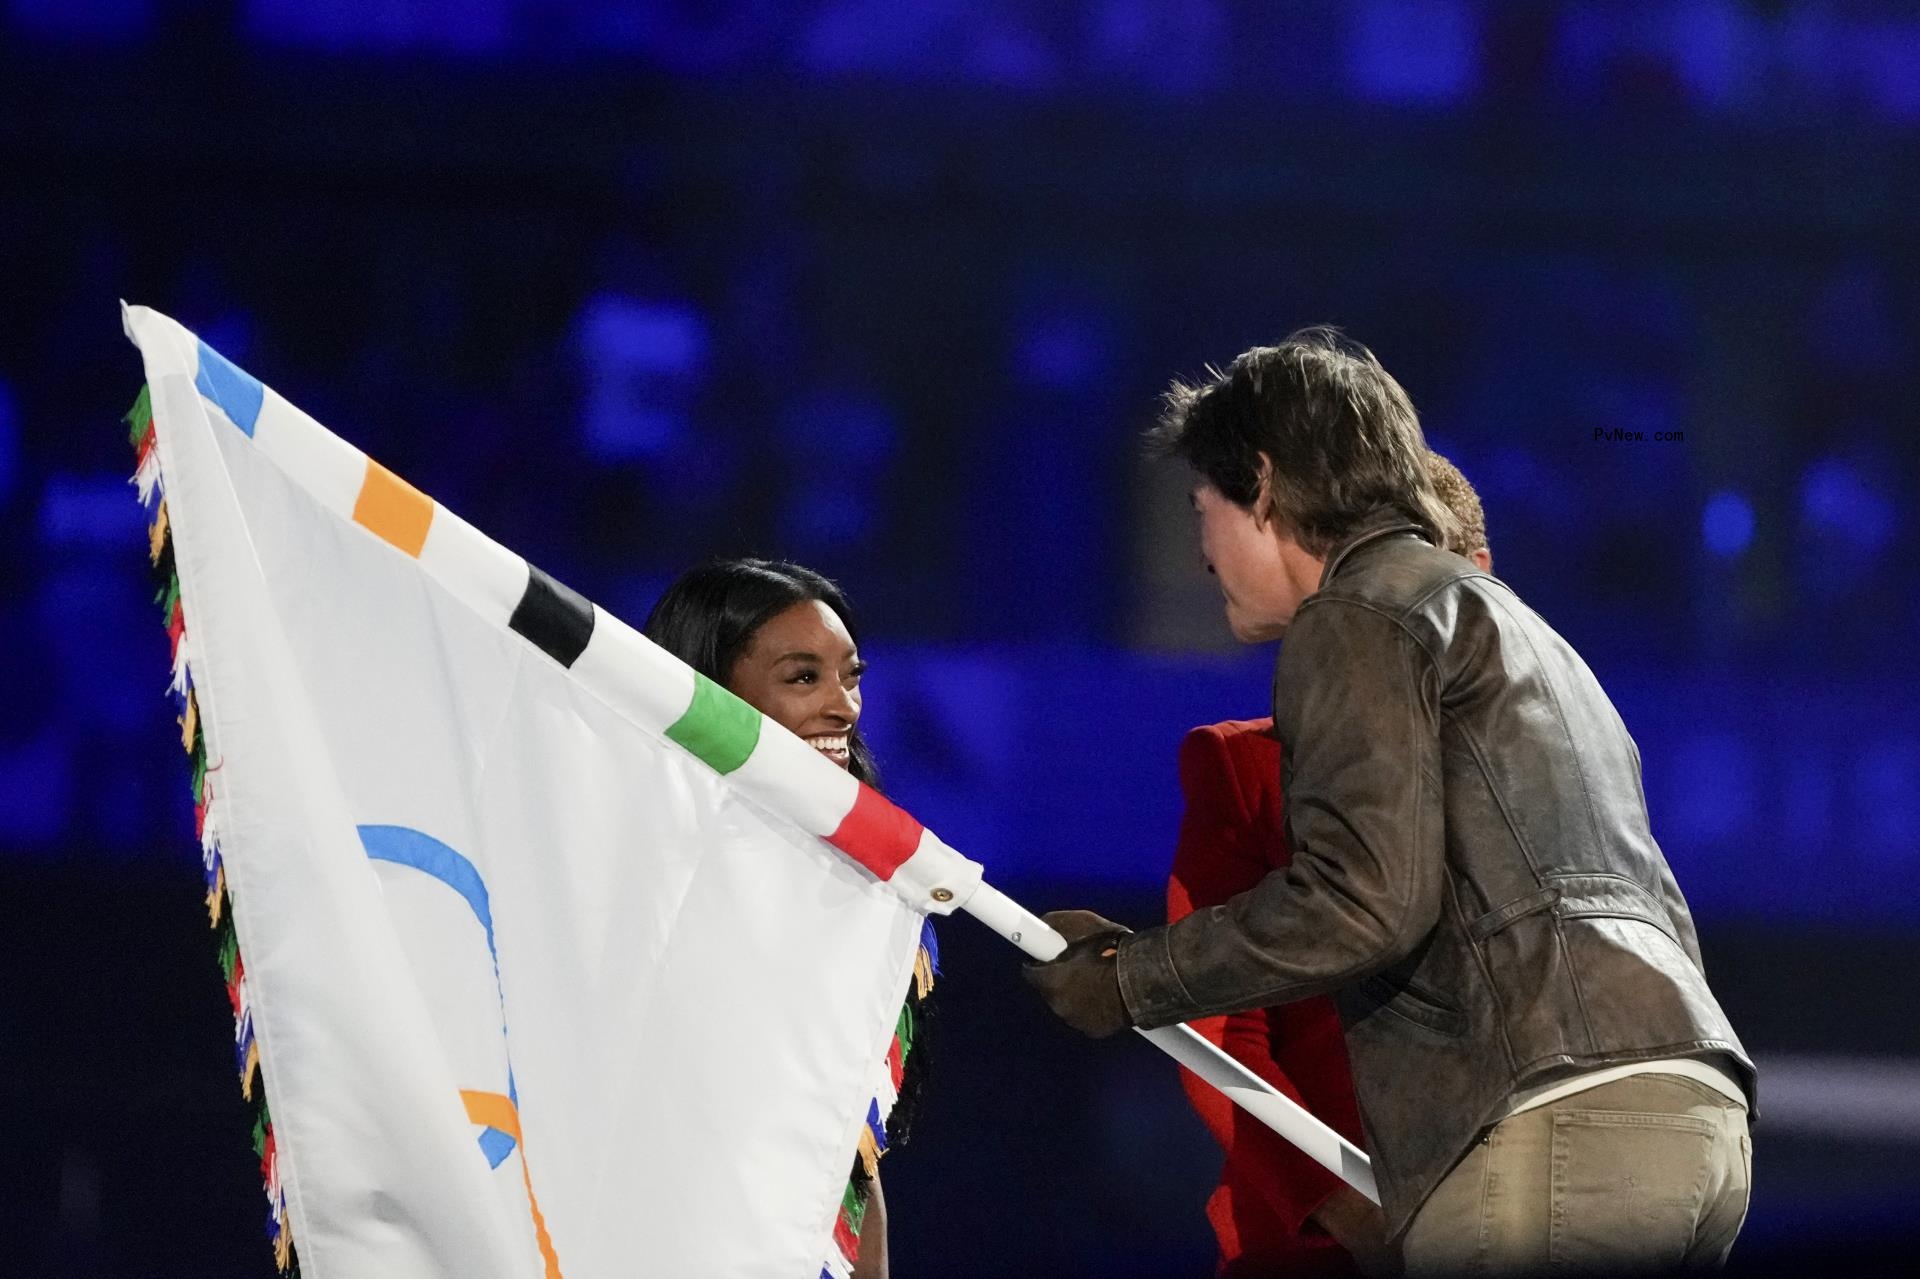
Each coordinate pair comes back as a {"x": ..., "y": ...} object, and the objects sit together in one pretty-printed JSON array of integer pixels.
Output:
[
  {"x": 641, "y": 362},
  {"x": 1888, "y": 797},
  {"x": 1838, "y": 498},
  {"x": 1714, "y": 785},
  {"x": 1727, "y": 524},
  {"x": 1416, "y": 51},
  {"x": 1519, "y": 477},
  {"x": 91, "y": 21},
  {"x": 89, "y": 510},
  {"x": 474, "y": 26},
  {"x": 1063, "y": 352}
]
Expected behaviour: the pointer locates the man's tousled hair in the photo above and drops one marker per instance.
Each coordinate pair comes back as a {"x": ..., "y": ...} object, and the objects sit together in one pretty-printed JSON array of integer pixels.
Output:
[{"x": 1341, "y": 434}]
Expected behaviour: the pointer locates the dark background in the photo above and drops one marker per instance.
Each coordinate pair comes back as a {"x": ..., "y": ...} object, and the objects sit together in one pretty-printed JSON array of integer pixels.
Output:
[{"x": 890, "y": 289}]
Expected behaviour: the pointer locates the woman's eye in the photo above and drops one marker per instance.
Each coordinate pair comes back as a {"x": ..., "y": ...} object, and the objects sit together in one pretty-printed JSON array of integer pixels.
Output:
[{"x": 804, "y": 677}]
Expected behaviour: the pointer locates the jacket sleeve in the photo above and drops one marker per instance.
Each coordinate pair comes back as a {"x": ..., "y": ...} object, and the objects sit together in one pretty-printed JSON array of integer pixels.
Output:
[
  {"x": 1218, "y": 856},
  {"x": 1356, "y": 700}
]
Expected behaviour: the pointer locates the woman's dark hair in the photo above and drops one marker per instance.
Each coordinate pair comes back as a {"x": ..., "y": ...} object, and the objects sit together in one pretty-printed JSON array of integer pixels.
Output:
[
  {"x": 708, "y": 619},
  {"x": 1341, "y": 434}
]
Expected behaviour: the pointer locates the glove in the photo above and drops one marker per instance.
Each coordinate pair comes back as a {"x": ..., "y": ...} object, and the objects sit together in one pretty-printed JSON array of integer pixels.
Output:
[{"x": 1082, "y": 985}]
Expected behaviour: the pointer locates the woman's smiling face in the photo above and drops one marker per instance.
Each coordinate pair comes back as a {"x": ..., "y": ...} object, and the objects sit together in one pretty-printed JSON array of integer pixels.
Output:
[{"x": 802, "y": 670}]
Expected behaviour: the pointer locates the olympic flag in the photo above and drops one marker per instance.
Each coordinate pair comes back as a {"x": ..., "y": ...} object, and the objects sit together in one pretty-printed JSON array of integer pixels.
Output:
[{"x": 553, "y": 958}]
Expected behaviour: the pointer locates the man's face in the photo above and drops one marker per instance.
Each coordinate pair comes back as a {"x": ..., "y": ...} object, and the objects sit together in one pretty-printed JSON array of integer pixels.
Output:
[{"x": 1263, "y": 574}]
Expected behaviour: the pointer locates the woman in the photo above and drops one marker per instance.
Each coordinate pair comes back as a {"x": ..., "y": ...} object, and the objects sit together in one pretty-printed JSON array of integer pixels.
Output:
[{"x": 780, "y": 637}]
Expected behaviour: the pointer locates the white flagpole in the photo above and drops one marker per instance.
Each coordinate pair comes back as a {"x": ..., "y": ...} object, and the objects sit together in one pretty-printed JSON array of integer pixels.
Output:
[{"x": 1188, "y": 1047}]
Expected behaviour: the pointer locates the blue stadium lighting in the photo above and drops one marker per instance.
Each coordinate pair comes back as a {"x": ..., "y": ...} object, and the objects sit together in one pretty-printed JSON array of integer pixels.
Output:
[
  {"x": 1727, "y": 524},
  {"x": 1838, "y": 497}
]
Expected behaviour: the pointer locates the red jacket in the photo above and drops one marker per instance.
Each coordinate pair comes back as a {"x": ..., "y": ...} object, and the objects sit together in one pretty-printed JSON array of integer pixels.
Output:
[{"x": 1230, "y": 836}]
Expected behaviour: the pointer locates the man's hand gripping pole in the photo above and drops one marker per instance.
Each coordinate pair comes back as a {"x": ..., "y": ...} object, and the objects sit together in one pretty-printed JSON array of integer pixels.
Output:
[{"x": 1188, "y": 1047}]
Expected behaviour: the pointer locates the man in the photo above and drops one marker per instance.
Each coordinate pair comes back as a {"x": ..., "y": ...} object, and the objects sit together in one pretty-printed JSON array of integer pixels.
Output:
[
  {"x": 1545, "y": 1077},
  {"x": 1277, "y": 1212}
]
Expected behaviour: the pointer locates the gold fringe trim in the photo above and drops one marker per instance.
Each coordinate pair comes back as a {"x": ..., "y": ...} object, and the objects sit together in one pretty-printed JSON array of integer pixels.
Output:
[
  {"x": 922, "y": 973},
  {"x": 190, "y": 722},
  {"x": 216, "y": 896},
  {"x": 157, "y": 535}
]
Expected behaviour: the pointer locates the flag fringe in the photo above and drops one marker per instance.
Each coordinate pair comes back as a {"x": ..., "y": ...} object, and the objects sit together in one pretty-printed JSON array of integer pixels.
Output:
[
  {"x": 887, "y": 1120},
  {"x": 206, "y": 823}
]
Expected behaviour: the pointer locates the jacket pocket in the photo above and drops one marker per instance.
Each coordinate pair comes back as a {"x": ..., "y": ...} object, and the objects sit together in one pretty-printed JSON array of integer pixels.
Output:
[{"x": 1408, "y": 1002}]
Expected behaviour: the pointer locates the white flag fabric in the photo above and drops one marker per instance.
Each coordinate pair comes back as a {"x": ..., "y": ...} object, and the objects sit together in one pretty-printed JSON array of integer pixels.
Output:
[{"x": 555, "y": 959}]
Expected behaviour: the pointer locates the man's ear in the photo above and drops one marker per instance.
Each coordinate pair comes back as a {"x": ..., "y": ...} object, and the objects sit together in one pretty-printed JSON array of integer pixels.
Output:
[
  {"x": 1482, "y": 558},
  {"x": 1263, "y": 494}
]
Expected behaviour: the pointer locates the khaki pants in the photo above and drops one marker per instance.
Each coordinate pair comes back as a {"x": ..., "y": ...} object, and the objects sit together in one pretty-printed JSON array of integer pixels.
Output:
[{"x": 1650, "y": 1172}]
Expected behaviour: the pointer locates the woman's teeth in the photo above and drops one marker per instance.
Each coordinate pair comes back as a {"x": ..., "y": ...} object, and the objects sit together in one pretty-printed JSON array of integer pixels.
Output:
[{"x": 835, "y": 747}]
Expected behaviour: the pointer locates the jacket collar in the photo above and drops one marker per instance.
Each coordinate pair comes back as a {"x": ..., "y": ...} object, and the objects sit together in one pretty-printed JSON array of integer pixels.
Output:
[{"x": 1384, "y": 522}]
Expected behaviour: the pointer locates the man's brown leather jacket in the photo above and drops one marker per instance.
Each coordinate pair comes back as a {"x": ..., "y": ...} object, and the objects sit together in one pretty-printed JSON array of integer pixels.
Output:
[{"x": 1473, "y": 876}]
